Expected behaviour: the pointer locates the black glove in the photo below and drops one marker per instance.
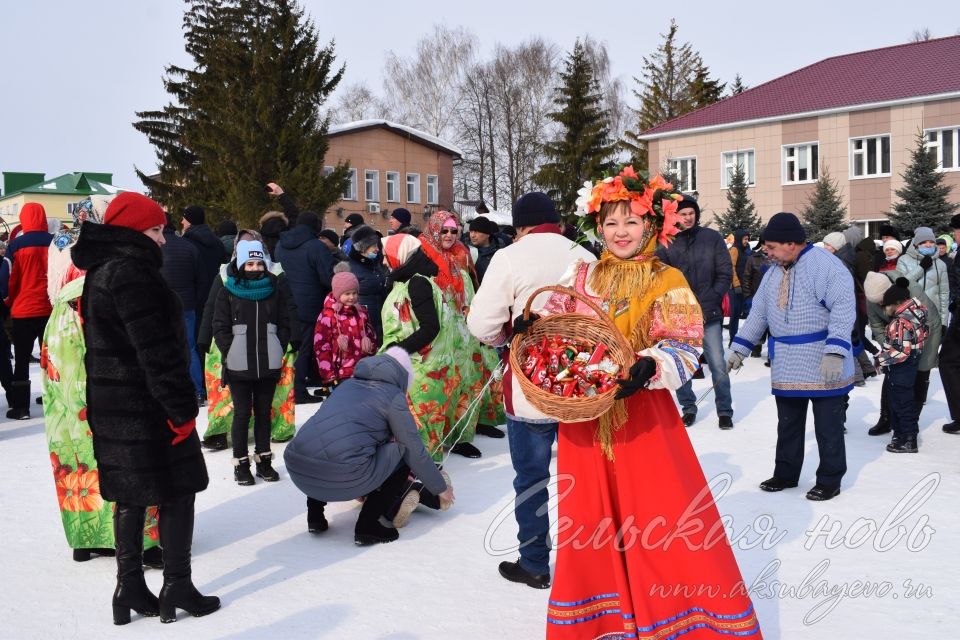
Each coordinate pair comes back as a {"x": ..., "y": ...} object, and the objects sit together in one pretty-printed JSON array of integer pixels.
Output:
[
  {"x": 640, "y": 374},
  {"x": 926, "y": 262},
  {"x": 522, "y": 326}
]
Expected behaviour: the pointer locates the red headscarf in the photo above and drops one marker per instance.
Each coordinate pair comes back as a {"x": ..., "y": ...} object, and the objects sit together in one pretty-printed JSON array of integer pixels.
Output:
[{"x": 451, "y": 261}]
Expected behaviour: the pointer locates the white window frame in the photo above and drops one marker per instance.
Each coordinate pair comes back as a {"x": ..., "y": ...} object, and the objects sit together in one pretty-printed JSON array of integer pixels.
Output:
[
  {"x": 393, "y": 180},
  {"x": 751, "y": 173},
  {"x": 371, "y": 185},
  {"x": 853, "y": 153},
  {"x": 937, "y": 146},
  {"x": 351, "y": 191},
  {"x": 433, "y": 184},
  {"x": 798, "y": 148},
  {"x": 327, "y": 171},
  {"x": 673, "y": 165},
  {"x": 416, "y": 186}
]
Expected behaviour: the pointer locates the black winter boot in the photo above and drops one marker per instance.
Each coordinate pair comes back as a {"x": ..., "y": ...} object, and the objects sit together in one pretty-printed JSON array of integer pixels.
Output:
[
  {"x": 176, "y": 537},
  {"x": 131, "y": 592},
  {"x": 883, "y": 424},
  {"x": 19, "y": 400},
  {"x": 241, "y": 471},
  {"x": 372, "y": 524},
  {"x": 903, "y": 444},
  {"x": 316, "y": 519},
  {"x": 264, "y": 468}
]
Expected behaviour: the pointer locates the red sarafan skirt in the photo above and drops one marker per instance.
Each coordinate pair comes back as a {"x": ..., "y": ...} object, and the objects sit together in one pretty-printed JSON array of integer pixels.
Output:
[{"x": 641, "y": 550}]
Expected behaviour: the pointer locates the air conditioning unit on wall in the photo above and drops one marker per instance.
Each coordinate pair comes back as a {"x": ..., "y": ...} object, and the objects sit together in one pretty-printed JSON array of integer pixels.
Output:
[{"x": 373, "y": 207}]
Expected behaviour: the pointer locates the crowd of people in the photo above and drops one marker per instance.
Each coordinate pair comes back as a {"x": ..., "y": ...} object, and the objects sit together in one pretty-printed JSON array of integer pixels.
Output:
[{"x": 401, "y": 341}]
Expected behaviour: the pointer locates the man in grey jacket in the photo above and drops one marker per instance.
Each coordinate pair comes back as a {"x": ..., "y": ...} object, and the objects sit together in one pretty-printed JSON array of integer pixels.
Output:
[{"x": 363, "y": 441}]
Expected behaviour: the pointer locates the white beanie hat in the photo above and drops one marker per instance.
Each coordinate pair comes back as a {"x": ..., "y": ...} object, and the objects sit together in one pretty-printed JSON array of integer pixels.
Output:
[
  {"x": 875, "y": 285},
  {"x": 403, "y": 358},
  {"x": 893, "y": 244},
  {"x": 836, "y": 240}
]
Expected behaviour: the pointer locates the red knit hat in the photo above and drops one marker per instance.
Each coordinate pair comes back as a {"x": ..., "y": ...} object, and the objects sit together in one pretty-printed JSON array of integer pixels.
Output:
[{"x": 134, "y": 211}]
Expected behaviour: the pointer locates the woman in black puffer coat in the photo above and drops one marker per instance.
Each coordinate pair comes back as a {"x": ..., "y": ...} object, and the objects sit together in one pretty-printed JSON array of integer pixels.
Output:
[
  {"x": 366, "y": 262},
  {"x": 141, "y": 404}
]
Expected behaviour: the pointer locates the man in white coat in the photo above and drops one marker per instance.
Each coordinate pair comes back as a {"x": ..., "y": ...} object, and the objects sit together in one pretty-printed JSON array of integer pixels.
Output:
[{"x": 538, "y": 257}]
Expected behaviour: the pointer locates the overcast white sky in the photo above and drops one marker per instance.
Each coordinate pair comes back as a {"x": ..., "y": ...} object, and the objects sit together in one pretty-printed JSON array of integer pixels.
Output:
[{"x": 74, "y": 73}]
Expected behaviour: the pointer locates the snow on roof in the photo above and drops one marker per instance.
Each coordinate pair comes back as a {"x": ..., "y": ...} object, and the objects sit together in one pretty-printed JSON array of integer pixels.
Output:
[{"x": 358, "y": 125}]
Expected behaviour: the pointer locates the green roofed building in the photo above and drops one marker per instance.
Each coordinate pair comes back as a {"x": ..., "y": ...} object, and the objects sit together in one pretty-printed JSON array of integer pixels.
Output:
[{"x": 57, "y": 195}]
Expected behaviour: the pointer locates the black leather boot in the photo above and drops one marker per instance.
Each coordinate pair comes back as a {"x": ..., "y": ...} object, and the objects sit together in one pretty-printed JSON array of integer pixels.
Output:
[
  {"x": 19, "y": 400},
  {"x": 883, "y": 424},
  {"x": 176, "y": 538},
  {"x": 372, "y": 524},
  {"x": 316, "y": 519},
  {"x": 903, "y": 444},
  {"x": 131, "y": 592}
]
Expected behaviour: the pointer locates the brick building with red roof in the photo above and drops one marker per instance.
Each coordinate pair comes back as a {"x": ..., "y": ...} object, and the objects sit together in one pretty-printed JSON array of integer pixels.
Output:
[{"x": 856, "y": 115}]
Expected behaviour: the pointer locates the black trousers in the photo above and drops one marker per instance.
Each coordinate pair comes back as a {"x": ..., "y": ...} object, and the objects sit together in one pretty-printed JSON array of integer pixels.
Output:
[
  {"x": 950, "y": 370},
  {"x": 379, "y": 501},
  {"x": 258, "y": 396},
  {"x": 25, "y": 332},
  {"x": 304, "y": 364},
  {"x": 828, "y": 419}
]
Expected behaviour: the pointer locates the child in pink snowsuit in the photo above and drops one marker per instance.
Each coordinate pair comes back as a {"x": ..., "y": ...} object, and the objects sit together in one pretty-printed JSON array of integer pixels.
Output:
[{"x": 343, "y": 334}]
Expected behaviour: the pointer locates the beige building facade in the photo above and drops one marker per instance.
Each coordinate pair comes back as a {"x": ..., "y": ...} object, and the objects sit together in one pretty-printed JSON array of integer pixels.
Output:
[
  {"x": 864, "y": 150},
  {"x": 392, "y": 166}
]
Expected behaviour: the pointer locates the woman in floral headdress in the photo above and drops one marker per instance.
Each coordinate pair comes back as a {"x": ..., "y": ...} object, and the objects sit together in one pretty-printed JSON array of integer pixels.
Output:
[
  {"x": 633, "y": 472},
  {"x": 457, "y": 280},
  {"x": 87, "y": 518}
]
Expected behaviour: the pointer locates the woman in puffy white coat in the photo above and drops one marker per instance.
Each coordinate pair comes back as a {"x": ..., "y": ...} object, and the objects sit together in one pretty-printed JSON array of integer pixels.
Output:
[{"x": 931, "y": 275}]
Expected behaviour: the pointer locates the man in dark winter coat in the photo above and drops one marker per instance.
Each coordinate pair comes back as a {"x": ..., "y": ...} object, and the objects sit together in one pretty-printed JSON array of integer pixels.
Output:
[
  {"x": 212, "y": 252},
  {"x": 950, "y": 350},
  {"x": 227, "y": 232},
  {"x": 701, "y": 254},
  {"x": 141, "y": 404},
  {"x": 27, "y": 300},
  {"x": 364, "y": 442},
  {"x": 366, "y": 263},
  {"x": 331, "y": 240},
  {"x": 308, "y": 265},
  {"x": 350, "y": 224},
  {"x": 484, "y": 236},
  {"x": 181, "y": 270}
]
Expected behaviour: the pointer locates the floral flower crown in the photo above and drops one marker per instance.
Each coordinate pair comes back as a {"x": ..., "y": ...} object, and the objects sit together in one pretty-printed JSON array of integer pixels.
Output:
[{"x": 647, "y": 197}]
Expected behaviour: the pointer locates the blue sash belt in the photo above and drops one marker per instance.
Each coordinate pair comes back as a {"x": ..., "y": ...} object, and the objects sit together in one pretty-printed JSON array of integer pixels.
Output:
[{"x": 803, "y": 338}]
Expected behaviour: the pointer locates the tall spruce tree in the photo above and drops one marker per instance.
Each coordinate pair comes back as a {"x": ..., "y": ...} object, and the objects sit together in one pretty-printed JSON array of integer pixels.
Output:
[
  {"x": 666, "y": 90},
  {"x": 704, "y": 90},
  {"x": 737, "y": 87},
  {"x": 583, "y": 148},
  {"x": 741, "y": 212},
  {"x": 825, "y": 211},
  {"x": 924, "y": 198},
  {"x": 246, "y": 112}
]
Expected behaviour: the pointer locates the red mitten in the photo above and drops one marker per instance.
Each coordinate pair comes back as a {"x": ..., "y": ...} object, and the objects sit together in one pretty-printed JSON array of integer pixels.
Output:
[
  {"x": 183, "y": 431},
  {"x": 366, "y": 345},
  {"x": 343, "y": 342}
]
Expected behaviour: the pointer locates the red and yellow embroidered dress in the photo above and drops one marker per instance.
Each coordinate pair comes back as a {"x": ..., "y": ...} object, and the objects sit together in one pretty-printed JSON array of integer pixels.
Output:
[{"x": 624, "y": 489}]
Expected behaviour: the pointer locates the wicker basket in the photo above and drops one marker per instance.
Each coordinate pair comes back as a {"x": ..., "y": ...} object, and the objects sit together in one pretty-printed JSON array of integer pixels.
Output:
[{"x": 597, "y": 329}]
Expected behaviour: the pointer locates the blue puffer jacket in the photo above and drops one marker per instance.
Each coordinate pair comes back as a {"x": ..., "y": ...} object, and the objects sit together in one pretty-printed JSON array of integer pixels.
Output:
[
  {"x": 308, "y": 265},
  {"x": 359, "y": 436},
  {"x": 702, "y": 256}
]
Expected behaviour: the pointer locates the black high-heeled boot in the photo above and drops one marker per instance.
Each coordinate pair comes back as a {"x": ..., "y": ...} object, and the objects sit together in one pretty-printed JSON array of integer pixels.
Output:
[
  {"x": 131, "y": 592},
  {"x": 176, "y": 538}
]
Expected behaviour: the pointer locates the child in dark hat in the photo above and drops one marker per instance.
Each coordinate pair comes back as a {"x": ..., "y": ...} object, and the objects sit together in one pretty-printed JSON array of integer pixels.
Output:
[{"x": 902, "y": 343}]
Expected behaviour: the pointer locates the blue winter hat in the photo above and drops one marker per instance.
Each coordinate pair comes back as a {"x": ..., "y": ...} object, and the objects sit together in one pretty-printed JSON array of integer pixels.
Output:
[{"x": 251, "y": 250}]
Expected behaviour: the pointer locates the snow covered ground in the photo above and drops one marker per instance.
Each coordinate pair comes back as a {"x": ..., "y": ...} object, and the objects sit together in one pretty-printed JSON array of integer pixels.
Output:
[{"x": 885, "y": 566}]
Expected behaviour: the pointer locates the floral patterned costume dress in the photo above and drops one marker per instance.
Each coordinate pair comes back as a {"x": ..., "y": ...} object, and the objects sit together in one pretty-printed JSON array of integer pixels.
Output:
[
  {"x": 626, "y": 480},
  {"x": 87, "y": 518},
  {"x": 220, "y": 404}
]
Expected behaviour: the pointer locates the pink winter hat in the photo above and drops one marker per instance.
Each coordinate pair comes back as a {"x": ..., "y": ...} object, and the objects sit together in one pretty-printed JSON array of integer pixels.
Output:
[{"x": 344, "y": 282}]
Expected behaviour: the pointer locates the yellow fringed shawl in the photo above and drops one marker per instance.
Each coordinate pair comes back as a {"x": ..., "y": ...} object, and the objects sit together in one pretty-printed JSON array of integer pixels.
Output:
[{"x": 629, "y": 289}]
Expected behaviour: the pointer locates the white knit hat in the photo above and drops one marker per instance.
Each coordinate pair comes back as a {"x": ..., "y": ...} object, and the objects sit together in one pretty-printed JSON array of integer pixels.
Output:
[
  {"x": 893, "y": 244},
  {"x": 875, "y": 285},
  {"x": 403, "y": 358},
  {"x": 836, "y": 240}
]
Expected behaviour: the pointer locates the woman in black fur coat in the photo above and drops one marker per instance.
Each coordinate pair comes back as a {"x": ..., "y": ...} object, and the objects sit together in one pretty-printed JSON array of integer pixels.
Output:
[{"x": 141, "y": 404}]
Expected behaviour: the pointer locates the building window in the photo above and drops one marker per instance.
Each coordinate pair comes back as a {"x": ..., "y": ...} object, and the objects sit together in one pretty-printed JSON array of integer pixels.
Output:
[
  {"x": 413, "y": 187},
  {"x": 350, "y": 193},
  {"x": 943, "y": 145},
  {"x": 393, "y": 186},
  {"x": 371, "y": 185},
  {"x": 327, "y": 171},
  {"x": 433, "y": 190},
  {"x": 800, "y": 163},
  {"x": 686, "y": 171},
  {"x": 730, "y": 161},
  {"x": 870, "y": 157}
]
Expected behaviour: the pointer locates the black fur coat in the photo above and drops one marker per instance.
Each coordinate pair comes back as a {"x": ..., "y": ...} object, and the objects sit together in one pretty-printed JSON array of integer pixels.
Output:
[{"x": 137, "y": 364}]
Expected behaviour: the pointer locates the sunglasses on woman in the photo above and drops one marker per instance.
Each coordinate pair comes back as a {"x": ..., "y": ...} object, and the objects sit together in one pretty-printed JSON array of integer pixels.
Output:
[{"x": 445, "y": 232}]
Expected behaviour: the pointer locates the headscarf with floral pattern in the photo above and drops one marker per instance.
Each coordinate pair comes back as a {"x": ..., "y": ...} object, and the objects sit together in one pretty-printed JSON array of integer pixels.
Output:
[{"x": 450, "y": 262}]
